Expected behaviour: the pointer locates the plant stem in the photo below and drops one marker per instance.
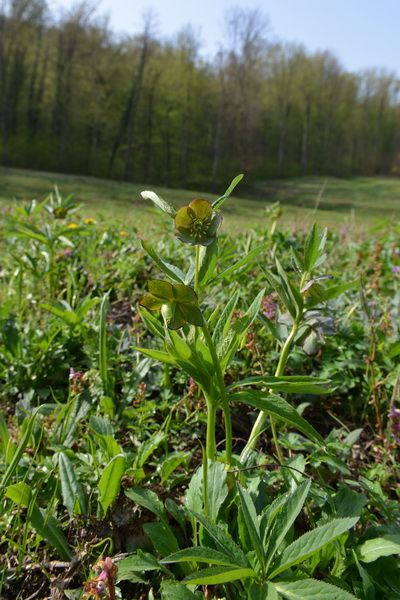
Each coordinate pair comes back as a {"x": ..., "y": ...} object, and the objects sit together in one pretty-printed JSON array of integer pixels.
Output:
[
  {"x": 196, "y": 270},
  {"x": 258, "y": 426},
  {"x": 210, "y": 439},
  {"x": 224, "y": 400}
]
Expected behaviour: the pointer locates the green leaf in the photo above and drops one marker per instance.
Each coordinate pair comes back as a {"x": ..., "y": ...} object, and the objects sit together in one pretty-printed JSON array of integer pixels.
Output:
[
  {"x": 158, "y": 355},
  {"x": 262, "y": 591},
  {"x": 250, "y": 256},
  {"x": 134, "y": 564},
  {"x": 200, "y": 554},
  {"x": 313, "y": 248},
  {"x": 12, "y": 467},
  {"x": 222, "y": 540},
  {"x": 159, "y": 202},
  {"x": 217, "y": 575},
  {"x": 171, "y": 462},
  {"x": 310, "y": 543},
  {"x": 238, "y": 331},
  {"x": 252, "y": 523},
  {"x": 217, "y": 490},
  {"x": 285, "y": 518},
  {"x": 74, "y": 497},
  {"x": 103, "y": 351},
  {"x": 305, "y": 589},
  {"x": 170, "y": 270},
  {"x": 162, "y": 538},
  {"x": 46, "y": 526},
  {"x": 217, "y": 203},
  {"x": 110, "y": 481},
  {"x": 293, "y": 384},
  {"x": 149, "y": 447},
  {"x": 280, "y": 409},
  {"x": 222, "y": 325},
  {"x": 384, "y": 546},
  {"x": 147, "y": 499},
  {"x": 171, "y": 590},
  {"x": 208, "y": 262},
  {"x": 6, "y": 445}
]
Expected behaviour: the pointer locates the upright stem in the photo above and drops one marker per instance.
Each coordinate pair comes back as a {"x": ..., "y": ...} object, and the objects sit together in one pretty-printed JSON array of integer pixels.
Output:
[
  {"x": 224, "y": 400},
  {"x": 258, "y": 426},
  {"x": 196, "y": 270},
  {"x": 210, "y": 439}
]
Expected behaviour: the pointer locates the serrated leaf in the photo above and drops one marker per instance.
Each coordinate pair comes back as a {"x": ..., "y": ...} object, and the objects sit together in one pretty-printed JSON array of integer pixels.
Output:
[
  {"x": 278, "y": 408},
  {"x": 110, "y": 481},
  {"x": 147, "y": 499},
  {"x": 74, "y": 497},
  {"x": 252, "y": 523},
  {"x": 200, "y": 554},
  {"x": 134, "y": 564},
  {"x": 384, "y": 546},
  {"x": 288, "y": 384},
  {"x": 162, "y": 538},
  {"x": 217, "y": 489},
  {"x": 222, "y": 539},
  {"x": 218, "y": 575},
  {"x": 311, "y": 542},
  {"x": 305, "y": 589},
  {"x": 285, "y": 518}
]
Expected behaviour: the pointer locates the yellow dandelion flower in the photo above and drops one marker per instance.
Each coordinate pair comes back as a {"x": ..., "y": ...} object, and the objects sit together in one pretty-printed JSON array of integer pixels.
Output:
[
  {"x": 72, "y": 225},
  {"x": 89, "y": 221},
  {"x": 123, "y": 233}
]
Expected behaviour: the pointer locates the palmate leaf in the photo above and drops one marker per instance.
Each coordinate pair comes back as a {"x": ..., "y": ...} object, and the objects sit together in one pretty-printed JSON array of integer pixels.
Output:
[
  {"x": 285, "y": 518},
  {"x": 252, "y": 523},
  {"x": 280, "y": 409},
  {"x": 222, "y": 540},
  {"x": 310, "y": 543},
  {"x": 305, "y": 589},
  {"x": 288, "y": 384}
]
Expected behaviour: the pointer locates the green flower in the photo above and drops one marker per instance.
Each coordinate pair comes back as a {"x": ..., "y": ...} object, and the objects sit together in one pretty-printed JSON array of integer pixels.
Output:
[
  {"x": 177, "y": 302},
  {"x": 197, "y": 223}
]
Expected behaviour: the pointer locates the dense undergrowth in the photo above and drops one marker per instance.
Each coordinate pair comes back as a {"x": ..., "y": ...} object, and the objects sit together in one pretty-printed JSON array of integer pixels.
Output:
[{"x": 196, "y": 415}]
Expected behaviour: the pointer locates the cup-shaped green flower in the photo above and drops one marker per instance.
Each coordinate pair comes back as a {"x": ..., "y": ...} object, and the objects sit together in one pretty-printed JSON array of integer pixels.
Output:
[
  {"x": 197, "y": 223},
  {"x": 177, "y": 302}
]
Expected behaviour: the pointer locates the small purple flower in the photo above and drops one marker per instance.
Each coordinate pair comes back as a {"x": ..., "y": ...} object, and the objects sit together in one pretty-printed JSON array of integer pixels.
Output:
[
  {"x": 394, "y": 416},
  {"x": 269, "y": 306},
  {"x": 396, "y": 269}
]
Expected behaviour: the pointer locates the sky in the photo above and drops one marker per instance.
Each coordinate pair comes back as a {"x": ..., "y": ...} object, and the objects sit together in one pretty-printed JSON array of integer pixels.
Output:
[{"x": 361, "y": 33}]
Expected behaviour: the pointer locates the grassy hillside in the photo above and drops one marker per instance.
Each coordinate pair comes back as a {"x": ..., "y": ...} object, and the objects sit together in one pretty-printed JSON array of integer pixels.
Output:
[{"x": 361, "y": 202}]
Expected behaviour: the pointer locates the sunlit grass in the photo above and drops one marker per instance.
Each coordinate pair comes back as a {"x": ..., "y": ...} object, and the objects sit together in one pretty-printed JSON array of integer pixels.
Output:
[{"x": 360, "y": 202}]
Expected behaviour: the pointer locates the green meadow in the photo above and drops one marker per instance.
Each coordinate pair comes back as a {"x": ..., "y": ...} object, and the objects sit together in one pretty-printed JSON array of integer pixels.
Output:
[{"x": 359, "y": 202}]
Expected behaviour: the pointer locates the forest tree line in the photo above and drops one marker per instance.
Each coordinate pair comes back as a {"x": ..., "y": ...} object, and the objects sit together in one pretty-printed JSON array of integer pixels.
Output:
[{"x": 76, "y": 98}]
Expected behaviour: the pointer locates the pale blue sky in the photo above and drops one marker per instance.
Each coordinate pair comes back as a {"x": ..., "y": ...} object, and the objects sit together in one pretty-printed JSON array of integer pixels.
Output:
[{"x": 362, "y": 33}]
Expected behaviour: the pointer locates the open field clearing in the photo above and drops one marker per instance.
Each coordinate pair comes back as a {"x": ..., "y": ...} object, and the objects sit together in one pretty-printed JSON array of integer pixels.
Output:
[{"x": 358, "y": 202}]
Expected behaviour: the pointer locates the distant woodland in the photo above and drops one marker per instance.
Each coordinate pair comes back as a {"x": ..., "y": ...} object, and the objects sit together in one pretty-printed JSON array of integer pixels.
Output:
[{"x": 77, "y": 98}]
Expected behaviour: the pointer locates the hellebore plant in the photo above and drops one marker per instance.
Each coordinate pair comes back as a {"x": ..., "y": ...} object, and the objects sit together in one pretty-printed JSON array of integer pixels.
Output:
[{"x": 204, "y": 347}]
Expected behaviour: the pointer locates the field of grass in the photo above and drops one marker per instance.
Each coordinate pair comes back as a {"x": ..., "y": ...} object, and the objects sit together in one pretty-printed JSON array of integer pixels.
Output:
[{"x": 361, "y": 202}]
